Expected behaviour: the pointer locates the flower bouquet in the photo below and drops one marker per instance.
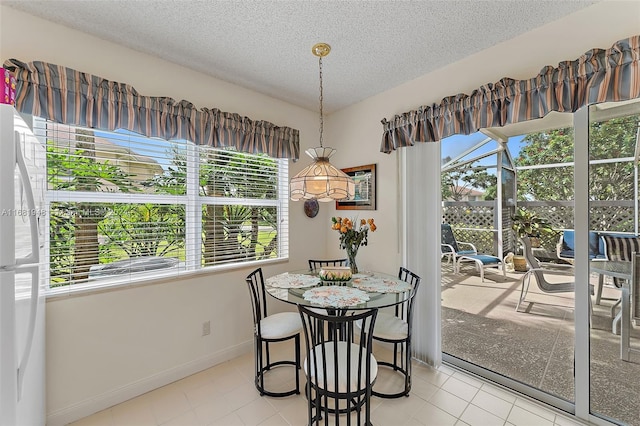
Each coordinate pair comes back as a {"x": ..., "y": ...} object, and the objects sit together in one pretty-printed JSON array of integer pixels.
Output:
[{"x": 352, "y": 238}]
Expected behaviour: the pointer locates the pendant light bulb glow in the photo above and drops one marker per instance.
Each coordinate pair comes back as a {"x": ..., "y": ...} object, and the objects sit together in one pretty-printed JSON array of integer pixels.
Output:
[{"x": 321, "y": 180}]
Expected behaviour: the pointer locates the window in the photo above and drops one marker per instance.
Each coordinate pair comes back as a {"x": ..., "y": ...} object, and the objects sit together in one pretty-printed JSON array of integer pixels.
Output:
[{"x": 124, "y": 207}]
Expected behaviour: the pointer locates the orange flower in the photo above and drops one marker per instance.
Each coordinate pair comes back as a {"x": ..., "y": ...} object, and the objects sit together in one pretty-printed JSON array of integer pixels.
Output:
[{"x": 350, "y": 236}]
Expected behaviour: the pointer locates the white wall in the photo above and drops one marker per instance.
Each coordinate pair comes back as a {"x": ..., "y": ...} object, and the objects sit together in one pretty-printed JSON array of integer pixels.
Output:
[{"x": 103, "y": 347}]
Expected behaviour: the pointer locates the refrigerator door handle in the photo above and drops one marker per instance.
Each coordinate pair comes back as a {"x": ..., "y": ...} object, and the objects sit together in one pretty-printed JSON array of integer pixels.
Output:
[
  {"x": 33, "y": 312},
  {"x": 34, "y": 257}
]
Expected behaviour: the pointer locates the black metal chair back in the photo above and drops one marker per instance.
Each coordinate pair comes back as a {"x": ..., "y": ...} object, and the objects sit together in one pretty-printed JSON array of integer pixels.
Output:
[
  {"x": 315, "y": 265},
  {"x": 340, "y": 366},
  {"x": 283, "y": 326},
  {"x": 388, "y": 332}
]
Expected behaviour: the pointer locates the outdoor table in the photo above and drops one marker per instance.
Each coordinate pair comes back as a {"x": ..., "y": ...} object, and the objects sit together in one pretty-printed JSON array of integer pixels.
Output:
[{"x": 621, "y": 270}]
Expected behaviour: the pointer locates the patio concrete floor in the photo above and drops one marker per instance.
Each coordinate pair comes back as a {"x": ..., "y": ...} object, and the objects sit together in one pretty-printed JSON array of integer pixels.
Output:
[{"x": 480, "y": 325}]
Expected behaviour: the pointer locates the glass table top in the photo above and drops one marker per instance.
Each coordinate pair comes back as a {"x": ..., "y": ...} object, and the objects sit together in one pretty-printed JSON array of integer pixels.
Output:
[{"x": 364, "y": 290}]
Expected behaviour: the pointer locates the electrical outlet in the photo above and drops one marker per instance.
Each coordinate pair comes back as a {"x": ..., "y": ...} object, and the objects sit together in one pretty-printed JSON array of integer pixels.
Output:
[{"x": 206, "y": 328}]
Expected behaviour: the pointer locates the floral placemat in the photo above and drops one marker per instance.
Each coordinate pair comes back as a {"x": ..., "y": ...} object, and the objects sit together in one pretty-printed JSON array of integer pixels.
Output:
[
  {"x": 287, "y": 280},
  {"x": 335, "y": 296},
  {"x": 380, "y": 285}
]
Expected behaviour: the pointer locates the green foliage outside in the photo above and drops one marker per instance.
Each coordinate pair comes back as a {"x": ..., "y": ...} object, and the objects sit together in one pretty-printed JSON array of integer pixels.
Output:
[
  {"x": 85, "y": 234},
  {"x": 611, "y": 139},
  {"x": 614, "y": 138}
]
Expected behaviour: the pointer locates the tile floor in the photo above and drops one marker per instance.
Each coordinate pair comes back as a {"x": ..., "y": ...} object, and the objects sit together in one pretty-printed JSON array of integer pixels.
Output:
[{"x": 224, "y": 395}]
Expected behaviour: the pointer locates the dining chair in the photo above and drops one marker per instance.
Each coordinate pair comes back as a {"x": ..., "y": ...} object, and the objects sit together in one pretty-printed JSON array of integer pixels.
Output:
[
  {"x": 271, "y": 329},
  {"x": 316, "y": 265},
  {"x": 396, "y": 329},
  {"x": 340, "y": 366}
]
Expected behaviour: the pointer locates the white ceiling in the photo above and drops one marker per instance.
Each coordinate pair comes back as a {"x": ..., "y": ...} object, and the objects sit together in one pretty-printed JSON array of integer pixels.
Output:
[{"x": 266, "y": 45}]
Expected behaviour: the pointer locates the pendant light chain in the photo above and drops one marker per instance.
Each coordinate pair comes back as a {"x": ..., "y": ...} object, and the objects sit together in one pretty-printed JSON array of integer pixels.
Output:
[
  {"x": 321, "y": 180},
  {"x": 321, "y": 98}
]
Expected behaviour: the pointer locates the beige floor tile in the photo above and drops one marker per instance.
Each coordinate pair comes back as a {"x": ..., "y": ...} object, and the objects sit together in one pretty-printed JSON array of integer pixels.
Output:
[
  {"x": 499, "y": 392},
  {"x": 561, "y": 420},
  {"x": 169, "y": 405},
  {"x": 429, "y": 414},
  {"x": 213, "y": 410},
  {"x": 203, "y": 394},
  {"x": 295, "y": 413},
  {"x": 492, "y": 404},
  {"x": 399, "y": 410},
  {"x": 536, "y": 409},
  {"x": 449, "y": 402},
  {"x": 188, "y": 418},
  {"x": 476, "y": 416},
  {"x": 470, "y": 380},
  {"x": 241, "y": 396},
  {"x": 225, "y": 396},
  {"x": 256, "y": 412},
  {"x": 422, "y": 388},
  {"x": 521, "y": 417},
  {"x": 459, "y": 388},
  {"x": 228, "y": 420},
  {"x": 275, "y": 420}
]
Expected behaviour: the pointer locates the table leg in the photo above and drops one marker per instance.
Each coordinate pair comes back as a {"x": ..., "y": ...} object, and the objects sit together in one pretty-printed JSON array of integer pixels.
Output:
[
  {"x": 625, "y": 324},
  {"x": 600, "y": 285}
]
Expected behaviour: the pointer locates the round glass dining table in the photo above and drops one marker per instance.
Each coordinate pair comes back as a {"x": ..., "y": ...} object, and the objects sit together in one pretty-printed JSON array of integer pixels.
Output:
[{"x": 364, "y": 290}]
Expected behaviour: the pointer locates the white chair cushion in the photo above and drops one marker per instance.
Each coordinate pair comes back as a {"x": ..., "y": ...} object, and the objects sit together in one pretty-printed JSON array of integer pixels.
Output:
[
  {"x": 280, "y": 325},
  {"x": 390, "y": 327},
  {"x": 342, "y": 367}
]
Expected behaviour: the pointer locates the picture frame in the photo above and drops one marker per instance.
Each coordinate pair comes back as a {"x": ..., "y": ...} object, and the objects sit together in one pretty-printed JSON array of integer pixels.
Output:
[{"x": 365, "y": 193}]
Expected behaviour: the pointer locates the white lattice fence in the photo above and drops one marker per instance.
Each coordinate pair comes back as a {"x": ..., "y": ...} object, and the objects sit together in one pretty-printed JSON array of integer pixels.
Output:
[{"x": 474, "y": 221}]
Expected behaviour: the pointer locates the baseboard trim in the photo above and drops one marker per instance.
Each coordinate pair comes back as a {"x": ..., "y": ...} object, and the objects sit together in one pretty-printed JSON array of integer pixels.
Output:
[{"x": 113, "y": 397}]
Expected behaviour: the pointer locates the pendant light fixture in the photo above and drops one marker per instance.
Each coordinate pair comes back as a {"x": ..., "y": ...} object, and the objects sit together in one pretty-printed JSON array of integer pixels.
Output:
[{"x": 321, "y": 180}]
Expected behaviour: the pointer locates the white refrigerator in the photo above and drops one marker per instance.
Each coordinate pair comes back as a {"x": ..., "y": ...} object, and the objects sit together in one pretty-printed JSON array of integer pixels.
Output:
[{"x": 22, "y": 272}]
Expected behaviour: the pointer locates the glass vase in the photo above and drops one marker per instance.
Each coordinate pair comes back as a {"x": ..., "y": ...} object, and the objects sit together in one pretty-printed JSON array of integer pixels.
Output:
[{"x": 352, "y": 252}]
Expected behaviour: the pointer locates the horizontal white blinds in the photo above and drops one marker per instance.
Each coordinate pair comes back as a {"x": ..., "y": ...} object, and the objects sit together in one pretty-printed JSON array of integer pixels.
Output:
[{"x": 123, "y": 206}]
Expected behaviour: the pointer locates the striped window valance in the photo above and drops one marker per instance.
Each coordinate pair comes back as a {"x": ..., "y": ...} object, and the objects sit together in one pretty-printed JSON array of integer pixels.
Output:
[
  {"x": 597, "y": 76},
  {"x": 72, "y": 97}
]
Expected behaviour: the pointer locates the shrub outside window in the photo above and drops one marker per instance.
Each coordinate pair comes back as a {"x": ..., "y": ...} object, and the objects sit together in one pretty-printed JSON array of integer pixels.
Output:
[{"x": 125, "y": 207}]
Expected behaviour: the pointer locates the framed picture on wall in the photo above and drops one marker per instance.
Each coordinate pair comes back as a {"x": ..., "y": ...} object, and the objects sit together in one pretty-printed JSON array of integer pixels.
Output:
[{"x": 365, "y": 193}]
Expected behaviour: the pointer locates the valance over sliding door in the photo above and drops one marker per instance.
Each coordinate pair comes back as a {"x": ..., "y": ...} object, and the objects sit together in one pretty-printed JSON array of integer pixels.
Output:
[{"x": 597, "y": 76}]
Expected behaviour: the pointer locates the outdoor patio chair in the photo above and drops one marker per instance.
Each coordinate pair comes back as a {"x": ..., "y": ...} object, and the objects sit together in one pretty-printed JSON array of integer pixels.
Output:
[
  {"x": 450, "y": 248},
  {"x": 539, "y": 272}
]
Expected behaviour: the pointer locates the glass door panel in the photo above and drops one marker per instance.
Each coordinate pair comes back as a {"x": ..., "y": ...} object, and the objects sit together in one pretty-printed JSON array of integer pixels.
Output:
[
  {"x": 613, "y": 211},
  {"x": 531, "y": 348}
]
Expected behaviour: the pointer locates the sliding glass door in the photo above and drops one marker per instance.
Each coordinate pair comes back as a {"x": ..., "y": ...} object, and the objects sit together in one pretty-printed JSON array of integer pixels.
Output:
[
  {"x": 613, "y": 135},
  {"x": 578, "y": 173},
  {"x": 510, "y": 327}
]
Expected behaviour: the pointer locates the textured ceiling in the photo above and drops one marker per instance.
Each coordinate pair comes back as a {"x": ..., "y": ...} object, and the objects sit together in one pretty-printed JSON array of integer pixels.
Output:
[{"x": 266, "y": 45}]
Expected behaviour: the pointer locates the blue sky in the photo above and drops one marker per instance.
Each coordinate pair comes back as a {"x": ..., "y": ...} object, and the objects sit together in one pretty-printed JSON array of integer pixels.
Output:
[{"x": 151, "y": 147}]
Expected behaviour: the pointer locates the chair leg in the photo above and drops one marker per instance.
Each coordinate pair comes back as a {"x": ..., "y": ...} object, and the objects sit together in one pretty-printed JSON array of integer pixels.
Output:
[
  {"x": 524, "y": 290},
  {"x": 262, "y": 352},
  {"x": 402, "y": 364}
]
